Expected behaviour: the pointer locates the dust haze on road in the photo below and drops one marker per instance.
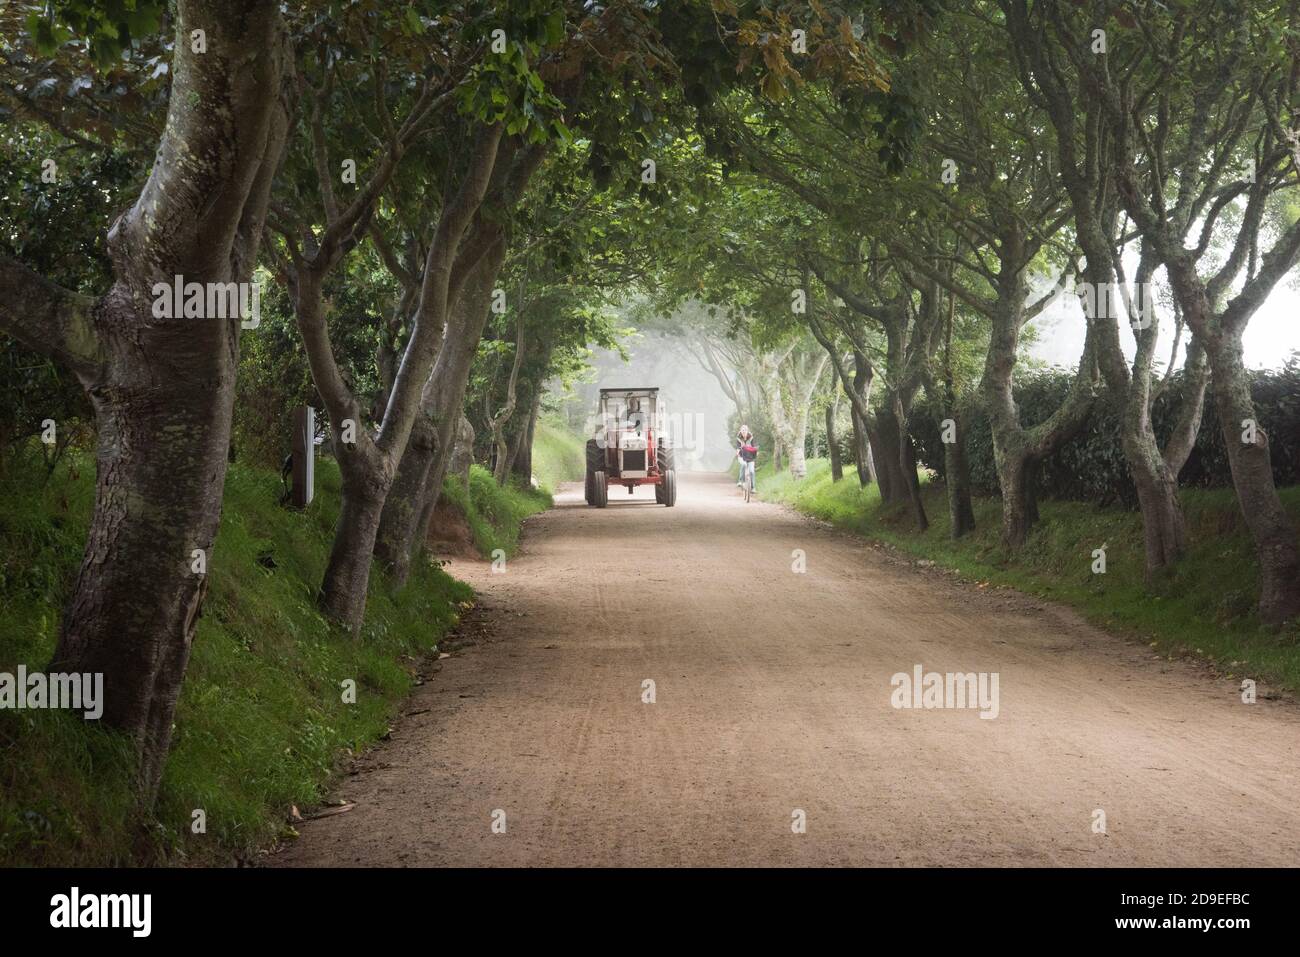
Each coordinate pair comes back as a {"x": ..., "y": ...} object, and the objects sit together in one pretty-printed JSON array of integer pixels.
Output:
[{"x": 773, "y": 696}]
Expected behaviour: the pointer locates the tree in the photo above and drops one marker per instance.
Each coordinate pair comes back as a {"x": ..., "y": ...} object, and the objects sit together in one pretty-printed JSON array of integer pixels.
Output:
[
  {"x": 1213, "y": 88},
  {"x": 162, "y": 385},
  {"x": 985, "y": 168},
  {"x": 1089, "y": 157},
  {"x": 622, "y": 41},
  {"x": 496, "y": 96}
]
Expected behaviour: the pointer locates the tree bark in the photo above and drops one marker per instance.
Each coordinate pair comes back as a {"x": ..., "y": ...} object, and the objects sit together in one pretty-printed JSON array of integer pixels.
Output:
[
  {"x": 393, "y": 539},
  {"x": 863, "y": 376},
  {"x": 521, "y": 458},
  {"x": 789, "y": 392},
  {"x": 1276, "y": 546},
  {"x": 909, "y": 464},
  {"x": 832, "y": 445},
  {"x": 888, "y": 454},
  {"x": 861, "y": 450},
  {"x": 1017, "y": 474},
  {"x": 1093, "y": 198},
  {"x": 961, "y": 511},
  {"x": 798, "y": 454},
  {"x": 501, "y": 460},
  {"x": 347, "y": 576},
  {"x": 424, "y": 465}
]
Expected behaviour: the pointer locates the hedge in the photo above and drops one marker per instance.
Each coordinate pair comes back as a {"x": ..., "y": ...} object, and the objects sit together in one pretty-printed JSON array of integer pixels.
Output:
[{"x": 1091, "y": 467}]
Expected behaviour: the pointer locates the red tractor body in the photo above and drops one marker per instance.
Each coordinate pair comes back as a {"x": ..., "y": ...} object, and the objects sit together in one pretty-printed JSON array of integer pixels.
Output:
[{"x": 630, "y": 447}]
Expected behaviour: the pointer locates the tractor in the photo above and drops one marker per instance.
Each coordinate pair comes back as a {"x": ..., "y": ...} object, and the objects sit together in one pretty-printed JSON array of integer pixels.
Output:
[{"x": 630, "y": 447}]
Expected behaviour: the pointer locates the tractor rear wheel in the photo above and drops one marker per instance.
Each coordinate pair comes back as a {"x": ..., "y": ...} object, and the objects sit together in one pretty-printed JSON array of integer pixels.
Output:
[
  {"x": 599, "y": 489},
  {"x": 595, "y": 462},
  {"x": 664, "y": 460},
  {"x": 669, "y": 485}
]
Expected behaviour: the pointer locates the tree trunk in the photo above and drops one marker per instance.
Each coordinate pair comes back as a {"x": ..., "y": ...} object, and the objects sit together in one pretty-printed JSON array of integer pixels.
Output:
[
  {"x": 369, "y": 465},
  {"x": 866, "y": 450},
  {"x": 424, "y": 466},
  {"x": 456, "y": 463},
  {"x": 161, "y": 465},
  {"x": 419, "y": 474},
  {"x": 832, "y": 446},
  {"x": 861, "y": 450},
  {"x": 521, "y": 458},
  {"x": 1017, "y": 475},
  {"x": 1018, "y": 450},
  {"x": 346, "y": 583},
  {"x": 908, "y": 466},
  {"x": 1164, "y": 531},
  {"x": 888, "y": 455},
  {"x": 393, "y": 543},
  {"x": 163, "y": 388},
  {"x": 1154, "y": 475},
  {"x": 798, "y": 457},
  {"x": 501, "y": 460},
  {"x": 1276, "y": 547},
  {"x": 1163, "y": 528},
  {"x": 863, "y": 378},
  {"x": 880, "y": 453},
  {"x": 961, "y": 511}
]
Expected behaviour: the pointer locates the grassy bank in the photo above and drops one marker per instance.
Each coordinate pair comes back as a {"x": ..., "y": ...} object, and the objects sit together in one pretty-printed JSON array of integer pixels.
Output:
[
  {"x": 494, "y": 512},
  {"x": 261, "y": 722},
  {"x": 1205, "y": 607},
  {"x": 558, "y": 455}
]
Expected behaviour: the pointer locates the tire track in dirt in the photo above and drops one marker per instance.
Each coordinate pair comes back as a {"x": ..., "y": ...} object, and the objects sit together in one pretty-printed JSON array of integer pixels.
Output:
[{"x": 773, "y": 693}]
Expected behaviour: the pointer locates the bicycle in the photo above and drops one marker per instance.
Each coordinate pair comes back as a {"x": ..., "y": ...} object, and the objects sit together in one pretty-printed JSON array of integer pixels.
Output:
[{"x": 747, "y": 478}]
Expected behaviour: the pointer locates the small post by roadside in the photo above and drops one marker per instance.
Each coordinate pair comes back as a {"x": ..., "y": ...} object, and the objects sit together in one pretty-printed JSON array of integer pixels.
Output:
[{"x": 304, "y": 457}]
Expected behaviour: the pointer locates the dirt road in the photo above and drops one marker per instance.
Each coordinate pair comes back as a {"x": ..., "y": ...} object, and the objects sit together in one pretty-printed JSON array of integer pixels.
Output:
[{"x": 772, "y": 695}]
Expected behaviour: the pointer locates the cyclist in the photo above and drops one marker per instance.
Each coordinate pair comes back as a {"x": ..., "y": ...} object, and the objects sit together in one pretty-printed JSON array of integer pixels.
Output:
[{"x": 746, "y": 452}]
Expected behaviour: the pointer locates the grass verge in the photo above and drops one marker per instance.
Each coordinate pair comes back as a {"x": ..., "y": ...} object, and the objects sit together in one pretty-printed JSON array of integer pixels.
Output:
[
  {"x": 261, "y": 722},
  {"x": 495, "y": 513},
  {"x": 1204, "y": 607},
  {"x": 558, "y": 455}
]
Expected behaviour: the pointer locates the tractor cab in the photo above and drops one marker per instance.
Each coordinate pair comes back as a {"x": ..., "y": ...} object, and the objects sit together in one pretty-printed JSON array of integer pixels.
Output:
[{"x": 628, "y": 426}]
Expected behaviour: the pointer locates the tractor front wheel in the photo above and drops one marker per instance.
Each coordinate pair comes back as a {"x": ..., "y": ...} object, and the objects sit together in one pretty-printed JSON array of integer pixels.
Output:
[
  {"x": 599, "y": 490},
  {"x": 669, "y": 486},
  {"x": 664, "y": 456}
]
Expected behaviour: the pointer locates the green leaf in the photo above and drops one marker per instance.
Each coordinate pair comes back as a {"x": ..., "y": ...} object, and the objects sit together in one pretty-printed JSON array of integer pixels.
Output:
[
  {"x": 143, "y": 20},
  {"x": 555, "y": 28}
]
